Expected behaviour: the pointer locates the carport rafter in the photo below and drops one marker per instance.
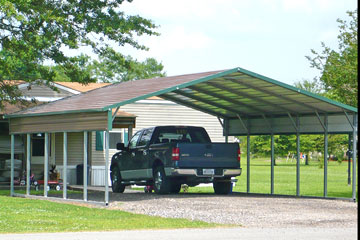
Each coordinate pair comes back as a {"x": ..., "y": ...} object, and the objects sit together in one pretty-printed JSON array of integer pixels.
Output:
[
  {"x": 240, "y": 93},
  {"x": 193, "y": 106},
  {"x": 211, "y": 103},
  {"x": 231, "y": 100},
  {"x": 239, "y": 81}
]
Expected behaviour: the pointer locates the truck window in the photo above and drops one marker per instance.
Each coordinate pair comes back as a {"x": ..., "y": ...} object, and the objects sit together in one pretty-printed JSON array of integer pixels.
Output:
[
  {"x": 145, "y": 137},
  {"x": 134, "y": 139},
  {"x": 182, "y": 134}
]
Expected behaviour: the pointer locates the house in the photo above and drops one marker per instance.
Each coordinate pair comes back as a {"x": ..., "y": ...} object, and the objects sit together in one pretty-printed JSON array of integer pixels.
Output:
[{"x": 144, "y": 113}]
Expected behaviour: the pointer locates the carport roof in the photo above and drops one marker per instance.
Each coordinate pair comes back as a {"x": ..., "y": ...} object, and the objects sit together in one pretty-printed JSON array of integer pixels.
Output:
[{"x": 225, "y": 93}]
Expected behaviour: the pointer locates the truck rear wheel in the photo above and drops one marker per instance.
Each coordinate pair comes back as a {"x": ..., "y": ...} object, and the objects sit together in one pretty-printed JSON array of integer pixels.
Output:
[
  {"x": 161, "y": 182},
  {"x": 175, "y": 188},
  {"x": 116, "y": 185},
  {"x": 222, "y": 187}
]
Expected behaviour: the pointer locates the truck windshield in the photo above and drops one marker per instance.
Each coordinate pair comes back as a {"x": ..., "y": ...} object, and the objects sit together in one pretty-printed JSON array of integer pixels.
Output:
[{"x": 181, "y": 134}]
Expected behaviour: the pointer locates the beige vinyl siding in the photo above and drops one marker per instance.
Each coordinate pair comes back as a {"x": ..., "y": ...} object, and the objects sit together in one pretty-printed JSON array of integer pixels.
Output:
[
  {"x": 44, "y": 91},
  {"x": 75, "y": 150},
  {"x": 154, "y": 113},
  {"x": 98, "y": 157}
]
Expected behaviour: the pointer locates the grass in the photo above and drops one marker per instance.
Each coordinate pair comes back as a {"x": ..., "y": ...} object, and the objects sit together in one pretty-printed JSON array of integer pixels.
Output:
[
  {"x": 21, "y": 215},
  {"x": 311, "y": 179}
]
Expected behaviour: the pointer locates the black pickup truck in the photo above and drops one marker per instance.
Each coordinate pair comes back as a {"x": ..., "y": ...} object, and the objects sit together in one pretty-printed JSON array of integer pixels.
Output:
[{"x": 166, "y": 157}]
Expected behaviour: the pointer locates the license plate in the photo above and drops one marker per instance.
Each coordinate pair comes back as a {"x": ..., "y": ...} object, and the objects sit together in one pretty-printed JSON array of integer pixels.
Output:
[{"x": 208, "y": 171}]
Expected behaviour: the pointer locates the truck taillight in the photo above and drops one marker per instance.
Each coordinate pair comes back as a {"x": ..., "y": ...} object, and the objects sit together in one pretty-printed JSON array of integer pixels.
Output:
[
  {"x": 175, "y": 155},
  {"x": 239, "y": 155}
]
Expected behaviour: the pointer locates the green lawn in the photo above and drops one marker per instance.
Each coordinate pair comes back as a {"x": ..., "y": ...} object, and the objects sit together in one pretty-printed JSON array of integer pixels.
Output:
[
  {"x": 311, "y": 179},
  {"x": 21, "y": 215}
]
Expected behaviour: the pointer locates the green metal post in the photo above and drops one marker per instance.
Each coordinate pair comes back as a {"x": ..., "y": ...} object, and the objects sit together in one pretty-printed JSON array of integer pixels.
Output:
[
  {"x": 12, "y": 167},
  {"x": 28, "y": 164},
  {"x": 85, "y": 179},
  {"x": 325, "y": 155},
  {"x": 65, "y": 166},
  {"x": 272, "y": 163},
  {"x": 297, "y": 156},
  {"x": 355, "y": 123},
  {"x": 107, "y": 138},
  {"x": 46, "y": 164},
  {"x": 248, "y": 157}
]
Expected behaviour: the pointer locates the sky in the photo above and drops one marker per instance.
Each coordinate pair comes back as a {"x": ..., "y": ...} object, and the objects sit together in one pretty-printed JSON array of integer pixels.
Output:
[{"x": 268, "y": 37}]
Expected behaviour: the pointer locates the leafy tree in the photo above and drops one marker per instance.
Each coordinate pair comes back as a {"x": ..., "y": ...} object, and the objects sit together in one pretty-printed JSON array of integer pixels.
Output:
[
  {"x": 38, "y": 32},
  {"x": 311, "y": 86},
  {"x": 339, "y": 68},
  {"x": 108, "y": 69}
]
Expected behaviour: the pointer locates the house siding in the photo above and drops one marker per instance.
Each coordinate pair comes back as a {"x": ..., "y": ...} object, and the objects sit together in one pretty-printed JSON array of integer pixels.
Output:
[
  {"x": 44, "y": 91},
  {"x": 159, "y": 113}
]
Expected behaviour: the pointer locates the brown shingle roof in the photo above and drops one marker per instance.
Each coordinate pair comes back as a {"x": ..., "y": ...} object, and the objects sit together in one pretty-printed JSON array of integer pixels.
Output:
[{"x": 104, "y": 97}]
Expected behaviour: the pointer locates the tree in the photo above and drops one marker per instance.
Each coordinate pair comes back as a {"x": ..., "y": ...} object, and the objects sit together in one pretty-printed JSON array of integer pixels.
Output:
[
  {"x": 38, "y": 32},
  {"x": 339, "y": 68},
  {"x": 108, "y": 69},
  {"x": 311, "y": 86}
]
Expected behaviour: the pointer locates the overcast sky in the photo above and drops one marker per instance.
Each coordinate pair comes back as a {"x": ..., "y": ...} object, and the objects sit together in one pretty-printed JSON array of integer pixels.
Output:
[{"x": 268, "y": 37}]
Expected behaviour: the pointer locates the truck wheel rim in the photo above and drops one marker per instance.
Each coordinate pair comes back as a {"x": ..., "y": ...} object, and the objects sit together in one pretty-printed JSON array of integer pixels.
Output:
[
  {"x": 115, "y": 178},
  {"x": 158, "y": 180}
]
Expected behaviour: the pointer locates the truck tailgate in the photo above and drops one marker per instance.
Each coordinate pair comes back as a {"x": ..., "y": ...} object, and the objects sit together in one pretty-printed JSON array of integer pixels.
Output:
[{"x": 208, "y": 155}]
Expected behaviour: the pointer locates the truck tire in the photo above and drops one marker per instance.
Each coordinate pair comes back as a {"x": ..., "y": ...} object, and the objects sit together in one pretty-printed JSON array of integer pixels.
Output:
[
  {"x": 161, "y": 182},
  {"x": 222, "y": 188},
  {"x": 175, "y": 188},
  {"x": 116, "y": 185}
]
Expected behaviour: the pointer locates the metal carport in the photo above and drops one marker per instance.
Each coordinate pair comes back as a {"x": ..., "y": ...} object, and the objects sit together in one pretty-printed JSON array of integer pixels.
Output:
[{"x": 246, "y": 103}]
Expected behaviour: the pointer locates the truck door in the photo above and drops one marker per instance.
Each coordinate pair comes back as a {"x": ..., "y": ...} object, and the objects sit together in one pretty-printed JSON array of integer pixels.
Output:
[
  {"x": 128, "y": 162},
  {"x": 141, "y": 161}
]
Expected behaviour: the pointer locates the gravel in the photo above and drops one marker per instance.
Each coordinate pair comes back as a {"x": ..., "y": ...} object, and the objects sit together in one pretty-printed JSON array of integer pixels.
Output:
[{"x": 247, "y": 211}]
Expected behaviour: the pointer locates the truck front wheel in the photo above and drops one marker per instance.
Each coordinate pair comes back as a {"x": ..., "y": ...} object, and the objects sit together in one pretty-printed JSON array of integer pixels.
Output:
[
  {"x": 116, "y": 185},
  {"x": 222, "y": 187},
  {"x": 161, "y": 182}
]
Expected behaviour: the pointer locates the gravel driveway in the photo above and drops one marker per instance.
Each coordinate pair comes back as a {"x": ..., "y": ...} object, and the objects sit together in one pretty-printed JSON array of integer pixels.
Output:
[{"x": 248, "y": 211}]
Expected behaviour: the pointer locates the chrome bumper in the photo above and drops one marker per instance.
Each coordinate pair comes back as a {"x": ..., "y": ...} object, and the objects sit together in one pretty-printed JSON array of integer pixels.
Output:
[{"x": 193, "y": 172}]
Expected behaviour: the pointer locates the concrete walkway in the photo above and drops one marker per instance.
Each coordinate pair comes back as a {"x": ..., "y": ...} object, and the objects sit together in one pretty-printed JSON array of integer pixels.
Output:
[{"x": 199, "y": 234}]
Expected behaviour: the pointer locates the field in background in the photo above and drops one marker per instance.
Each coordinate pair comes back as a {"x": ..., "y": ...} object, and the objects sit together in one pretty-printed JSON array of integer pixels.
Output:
[{"x": 311, "y": 178}]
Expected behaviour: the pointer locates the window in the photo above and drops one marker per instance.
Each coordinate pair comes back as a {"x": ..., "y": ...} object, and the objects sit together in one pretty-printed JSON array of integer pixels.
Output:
[
  {"x": 182, "y": 134},
  {"x": 134, "y": 139},
  {"x": 38, "y": 145},
  {"x": 145, "y": 138},
  {"x": 114, "y": 138}
]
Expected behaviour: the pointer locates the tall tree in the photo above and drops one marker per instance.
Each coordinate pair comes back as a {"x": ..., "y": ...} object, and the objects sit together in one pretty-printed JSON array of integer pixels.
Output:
[
  {"x": 36, "y": 32},
  {"x": 339, "y": 68}
]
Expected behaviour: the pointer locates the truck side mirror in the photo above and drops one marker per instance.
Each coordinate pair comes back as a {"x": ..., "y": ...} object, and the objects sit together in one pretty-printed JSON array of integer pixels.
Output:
[{"x": 120, "y": 146}]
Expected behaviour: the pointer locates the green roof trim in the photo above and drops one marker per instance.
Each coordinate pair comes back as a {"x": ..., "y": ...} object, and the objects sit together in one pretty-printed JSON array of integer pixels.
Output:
[
  {"x": 184, "y": 85},
  {"x": 310, "y": 94}
]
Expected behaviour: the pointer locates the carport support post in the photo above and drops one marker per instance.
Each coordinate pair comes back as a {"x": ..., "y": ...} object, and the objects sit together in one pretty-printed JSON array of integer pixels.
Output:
[
  {"x": 107, "y": 167},
  {"x": 325, "y": 154},
  {"x": 46, "y": 164},
  {"x": 355, "y": 122},
  {"x": 248, "y": 163},
  {"x": 12, "y": 173},
  {"x": 297, "y": 156},
  {"x": 272, "y": 163},
  {"x": 130, "y": 132},
  {"x": 349, "y": 159},
  {"x": 65, "y": 166},
  {"x": 85, "y": 165},
  {"x": 28, "y": 164},
  {"x": 226, "y": 128}
]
